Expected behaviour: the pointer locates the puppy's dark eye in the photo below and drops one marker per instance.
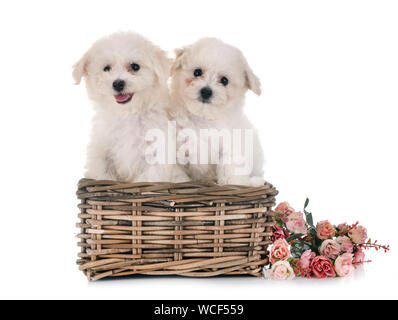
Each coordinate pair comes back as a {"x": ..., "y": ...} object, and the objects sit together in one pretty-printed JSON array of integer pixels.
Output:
[
  {"x": 224, "y": 81},
  {"x": 107, "y": 68},
  {"x": 198, "y": 72},
  {"x": 135, "y": 67}
]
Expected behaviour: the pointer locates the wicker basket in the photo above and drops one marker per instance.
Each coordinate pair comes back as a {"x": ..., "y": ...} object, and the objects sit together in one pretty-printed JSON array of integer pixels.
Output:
[{"x": 188, "y": 229}]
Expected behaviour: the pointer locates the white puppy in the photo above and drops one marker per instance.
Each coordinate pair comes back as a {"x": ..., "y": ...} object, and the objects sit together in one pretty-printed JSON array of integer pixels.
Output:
[
  {"x": 126, "y": 78},
  {"x": 209, "y": 80}
]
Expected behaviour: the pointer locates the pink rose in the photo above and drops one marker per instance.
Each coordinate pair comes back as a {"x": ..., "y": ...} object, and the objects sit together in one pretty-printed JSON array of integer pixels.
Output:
[
  {"x": 306, "y": 258},
  {"x": 343, "y": 228},
  {"x": 343, "y": 265},
  {"x": 342, "y": 225},
  {"x": 359, "y": 256},
  {"x": 279, "y": 251},
  {"x": 325, "y": 230},
  {"x": 283, "y": 210},
  {"x": 306, "y": 273},
  {"x": 279, "y": 233},
  {"x": 345, "y": 244},
  {"x": 330, "y": 249},
  {"x": 296, "y": 224},
  {"x": 281, "y": 270},
  {"x": 322, "y": 267},
  {"x": 358, "y": 234}
]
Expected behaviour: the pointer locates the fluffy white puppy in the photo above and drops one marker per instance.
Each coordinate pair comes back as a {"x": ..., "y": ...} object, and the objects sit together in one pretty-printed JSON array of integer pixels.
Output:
[
  {"x": 209, "y": 80},
  {"x": 126, "y": 78}
]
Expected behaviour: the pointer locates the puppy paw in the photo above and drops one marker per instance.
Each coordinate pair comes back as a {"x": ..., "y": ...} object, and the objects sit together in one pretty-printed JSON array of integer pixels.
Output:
[
  {"x": 257, "y": 181},
  {"x": 235, "y": 180},
  {"x": 181, "y": 178},
  {"x": 91, "y": 174},
  {"x": 178, "y": 175}
]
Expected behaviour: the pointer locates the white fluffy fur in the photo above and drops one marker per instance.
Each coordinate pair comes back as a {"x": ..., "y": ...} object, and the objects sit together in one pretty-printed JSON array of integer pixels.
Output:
[
  {"x": 225, "y": 110},
  {"x": 116, "y": 149}
]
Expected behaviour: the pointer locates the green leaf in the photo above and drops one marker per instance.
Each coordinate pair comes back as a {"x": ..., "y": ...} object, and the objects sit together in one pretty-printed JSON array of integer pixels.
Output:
[
  {"x": 292, "y": 260},
  {"x": 307, "y": 201},
  {"x": 299, "y": 247},
  {"x": 312, "y": 232},
  {"x": 308, "y": 215},
  {"x": 294, "y": 236}
]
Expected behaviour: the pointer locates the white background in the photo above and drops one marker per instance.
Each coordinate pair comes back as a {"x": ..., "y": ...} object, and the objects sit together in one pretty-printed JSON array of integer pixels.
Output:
[{"x": 327, "y": 117}]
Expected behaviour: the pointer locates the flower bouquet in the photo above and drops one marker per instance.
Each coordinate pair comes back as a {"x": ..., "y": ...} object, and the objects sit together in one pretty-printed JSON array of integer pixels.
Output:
[{"x": 304, "y": 250}]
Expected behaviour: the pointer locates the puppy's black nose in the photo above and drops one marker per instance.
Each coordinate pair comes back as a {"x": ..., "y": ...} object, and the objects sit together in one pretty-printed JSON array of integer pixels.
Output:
[
  {"x": 206, "y": 93},
  {"x": 118, "y": 85}
]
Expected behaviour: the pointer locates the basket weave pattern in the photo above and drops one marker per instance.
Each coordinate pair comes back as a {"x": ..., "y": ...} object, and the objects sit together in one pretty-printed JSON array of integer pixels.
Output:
[{"x": 188, "y": 229}]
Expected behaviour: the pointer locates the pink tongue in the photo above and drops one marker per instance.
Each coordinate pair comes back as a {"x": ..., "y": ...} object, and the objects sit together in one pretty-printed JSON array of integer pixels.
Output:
[{"x": 122, "y": 97}]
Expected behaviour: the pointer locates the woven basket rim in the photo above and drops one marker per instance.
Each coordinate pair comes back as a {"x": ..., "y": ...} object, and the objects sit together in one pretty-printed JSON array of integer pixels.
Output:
[{"x": 111, "y": 184}]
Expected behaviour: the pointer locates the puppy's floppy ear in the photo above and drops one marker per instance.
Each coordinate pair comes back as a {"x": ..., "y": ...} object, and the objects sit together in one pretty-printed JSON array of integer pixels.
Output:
[
  {"x": 161, "y": 65},
  {"x": 80, "y": 68},
  {"x": 252, "y": 81},
  {"x": 177, "y": 63}
]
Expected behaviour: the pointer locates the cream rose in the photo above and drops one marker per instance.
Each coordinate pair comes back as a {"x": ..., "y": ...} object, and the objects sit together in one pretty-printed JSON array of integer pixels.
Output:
[
  {"x": 343, "y": 265},
  {"x": 358, "y": 234},
  {"x": 281, "y": 270}
]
